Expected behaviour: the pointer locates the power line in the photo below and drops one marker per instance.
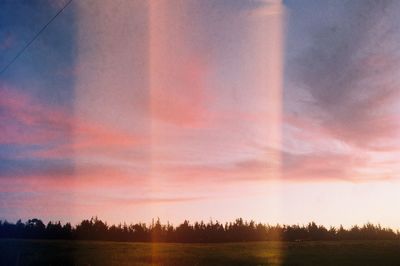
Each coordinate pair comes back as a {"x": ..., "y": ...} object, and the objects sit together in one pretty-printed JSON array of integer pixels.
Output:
[{"x": 34, "y": 38}]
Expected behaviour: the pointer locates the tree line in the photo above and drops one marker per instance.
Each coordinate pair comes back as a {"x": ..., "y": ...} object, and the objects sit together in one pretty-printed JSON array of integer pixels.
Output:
[{"x": 211, "y": 232}]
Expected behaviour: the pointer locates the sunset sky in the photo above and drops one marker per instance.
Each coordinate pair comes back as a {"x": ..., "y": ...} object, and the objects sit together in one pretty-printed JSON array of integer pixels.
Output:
[{"x": 274, "y": 111}]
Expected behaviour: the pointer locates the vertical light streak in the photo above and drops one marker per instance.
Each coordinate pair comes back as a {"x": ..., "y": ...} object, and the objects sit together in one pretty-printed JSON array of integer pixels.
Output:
[
  {"x": 158, "y": 69},
  {"x": 170, "y": 50},
  {"x": 267, "y": 41}
]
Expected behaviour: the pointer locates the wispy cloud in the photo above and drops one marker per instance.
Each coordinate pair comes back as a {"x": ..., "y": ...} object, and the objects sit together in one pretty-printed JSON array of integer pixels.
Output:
[{"x": 349, "y": 72}]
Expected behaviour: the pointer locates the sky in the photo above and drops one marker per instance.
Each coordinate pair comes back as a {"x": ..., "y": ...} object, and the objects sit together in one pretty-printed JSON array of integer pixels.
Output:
[{"x": 276, "y": 111}]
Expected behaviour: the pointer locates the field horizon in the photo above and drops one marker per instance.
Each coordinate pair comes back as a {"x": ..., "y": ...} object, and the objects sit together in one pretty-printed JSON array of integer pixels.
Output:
[{"x": 67, "y": 252}]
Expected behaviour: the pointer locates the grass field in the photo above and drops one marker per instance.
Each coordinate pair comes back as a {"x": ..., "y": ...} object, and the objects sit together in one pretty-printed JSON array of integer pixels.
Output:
[{"x": 43, "y": 252}]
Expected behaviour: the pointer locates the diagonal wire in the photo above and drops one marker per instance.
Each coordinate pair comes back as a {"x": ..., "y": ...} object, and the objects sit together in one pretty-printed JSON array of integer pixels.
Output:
[{"x": 34, "y": 38}]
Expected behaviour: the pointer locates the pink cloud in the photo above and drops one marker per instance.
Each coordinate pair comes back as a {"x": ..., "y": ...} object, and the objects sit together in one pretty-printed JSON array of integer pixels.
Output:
[
  {"x": 184, "y": 100},
  {"x": 21, "y": 109},
  {"x": 361, "y": 151},
  {"x": 81, "y": 178},
  {"x": 43, "y": 124},
  {"x": 178, "y": 69}
]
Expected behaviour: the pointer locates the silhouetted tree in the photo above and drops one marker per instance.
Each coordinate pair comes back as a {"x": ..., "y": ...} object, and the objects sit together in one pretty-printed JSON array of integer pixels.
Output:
[{"x": 239, "y": 230}]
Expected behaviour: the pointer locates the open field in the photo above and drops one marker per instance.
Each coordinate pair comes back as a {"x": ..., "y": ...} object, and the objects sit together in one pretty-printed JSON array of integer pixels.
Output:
[{"x": 44, "y": 252}]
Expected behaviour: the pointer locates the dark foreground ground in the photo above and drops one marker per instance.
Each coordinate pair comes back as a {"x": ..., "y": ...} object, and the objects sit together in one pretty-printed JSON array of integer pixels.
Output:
[{"x": 43, "y": 252}]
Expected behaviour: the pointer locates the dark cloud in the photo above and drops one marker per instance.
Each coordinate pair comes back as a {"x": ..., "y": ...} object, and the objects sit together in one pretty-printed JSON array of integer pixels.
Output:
[{"x": 348, "y": 70}]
